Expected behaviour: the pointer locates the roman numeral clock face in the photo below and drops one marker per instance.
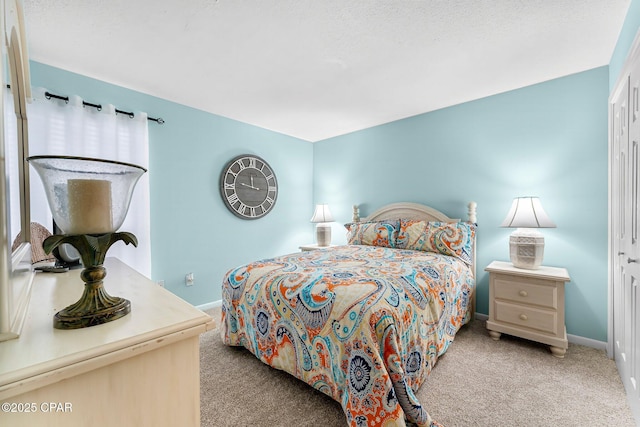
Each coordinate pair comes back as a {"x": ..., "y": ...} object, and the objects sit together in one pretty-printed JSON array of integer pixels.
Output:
[{"x": 248, "y": 187}]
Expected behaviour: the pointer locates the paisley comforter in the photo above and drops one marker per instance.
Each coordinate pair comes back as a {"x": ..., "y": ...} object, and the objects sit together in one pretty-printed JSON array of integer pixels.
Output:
[{"x": 363, "y": 324}]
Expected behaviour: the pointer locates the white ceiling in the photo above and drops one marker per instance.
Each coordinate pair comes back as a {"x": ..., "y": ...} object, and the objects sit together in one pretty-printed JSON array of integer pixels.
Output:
[{"x": 315, "y": 69}]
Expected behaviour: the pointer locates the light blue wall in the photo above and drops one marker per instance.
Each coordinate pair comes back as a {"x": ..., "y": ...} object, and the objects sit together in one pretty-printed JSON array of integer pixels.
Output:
[
  {"x": 625, "y": 40},
  {"x": 191, "y": 230},
  {"x": 548, "y": 140}
]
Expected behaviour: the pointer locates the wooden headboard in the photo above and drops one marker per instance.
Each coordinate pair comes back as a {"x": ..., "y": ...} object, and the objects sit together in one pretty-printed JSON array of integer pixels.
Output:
[
  {"x": 412, "y": 211},
  {"x": 425, "y": 213}
]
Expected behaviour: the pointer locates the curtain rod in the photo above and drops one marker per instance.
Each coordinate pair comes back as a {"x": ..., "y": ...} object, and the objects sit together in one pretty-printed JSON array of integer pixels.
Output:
[{"x": 98, "y": 107}]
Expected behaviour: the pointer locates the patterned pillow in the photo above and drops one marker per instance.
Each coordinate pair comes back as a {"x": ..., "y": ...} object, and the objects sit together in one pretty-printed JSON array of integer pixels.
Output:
[
  {"x": 447, "y": 238},
  {"x": 411, "y": 234},
  {"x": 375, "y": 233}
]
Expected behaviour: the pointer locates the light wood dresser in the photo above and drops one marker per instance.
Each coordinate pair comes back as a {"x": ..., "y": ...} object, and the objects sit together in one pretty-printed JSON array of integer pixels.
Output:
[
  {"x": 528, "y": 304},
  {"x": 140, "y": 370}
]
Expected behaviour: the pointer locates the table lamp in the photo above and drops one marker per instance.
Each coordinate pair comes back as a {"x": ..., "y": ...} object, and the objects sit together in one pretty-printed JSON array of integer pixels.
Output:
[
  {"x": 322, "y": 216},
  {"x": 89, "y": 200},
  {"x": 526, "y": 244}
]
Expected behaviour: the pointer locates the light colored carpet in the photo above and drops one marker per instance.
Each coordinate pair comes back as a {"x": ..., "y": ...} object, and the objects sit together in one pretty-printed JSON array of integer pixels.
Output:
[{"x": 478, "y": 382}]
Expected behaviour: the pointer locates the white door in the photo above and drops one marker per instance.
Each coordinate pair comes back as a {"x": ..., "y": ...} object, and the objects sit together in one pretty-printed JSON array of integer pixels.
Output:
[
  {"x": 620, "y": 215},
  {"x": 625, "y": 179},
  {"x": 632, "y": 290}
]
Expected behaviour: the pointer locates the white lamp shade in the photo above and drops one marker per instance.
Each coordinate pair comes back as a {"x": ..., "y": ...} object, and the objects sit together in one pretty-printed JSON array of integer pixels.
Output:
[
  {"x": 527, "y": 212},
  {"x": 322, "y": 214}
]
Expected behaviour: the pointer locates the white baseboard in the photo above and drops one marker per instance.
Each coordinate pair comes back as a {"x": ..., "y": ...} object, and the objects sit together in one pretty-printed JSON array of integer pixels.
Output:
[
  {"x": 480, "y": 316},
  {"x": 573, "y": 339},
  {"x": 209, "y": 305},
  {"x": 587, "y": 342}
]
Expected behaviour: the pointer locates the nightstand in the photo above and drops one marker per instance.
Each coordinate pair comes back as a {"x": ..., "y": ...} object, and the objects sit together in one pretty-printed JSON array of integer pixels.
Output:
[
  {"x": 528, "y": 304},
  {"x": 313, "y": 247}
]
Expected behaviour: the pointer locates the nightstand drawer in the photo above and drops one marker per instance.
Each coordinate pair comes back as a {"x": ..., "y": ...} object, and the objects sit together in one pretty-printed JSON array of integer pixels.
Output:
[
  {"x": 528, "y": 292},
  {"x": 525, "y": 316}
]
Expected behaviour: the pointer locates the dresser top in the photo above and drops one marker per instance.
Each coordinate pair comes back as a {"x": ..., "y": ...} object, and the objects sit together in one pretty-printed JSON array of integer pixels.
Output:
[
  {"x": 155, "y": 313},
  {"x": 553, "y": 273}
]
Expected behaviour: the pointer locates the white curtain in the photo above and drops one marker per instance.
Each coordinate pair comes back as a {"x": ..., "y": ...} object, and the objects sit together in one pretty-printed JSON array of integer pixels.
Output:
[{"x": 60, "y": 128}]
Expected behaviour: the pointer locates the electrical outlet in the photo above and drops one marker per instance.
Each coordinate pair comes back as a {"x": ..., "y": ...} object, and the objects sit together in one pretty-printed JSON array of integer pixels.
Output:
[
  {"x": 161, "y": 283},
  {"x": 188, "y": 279}
]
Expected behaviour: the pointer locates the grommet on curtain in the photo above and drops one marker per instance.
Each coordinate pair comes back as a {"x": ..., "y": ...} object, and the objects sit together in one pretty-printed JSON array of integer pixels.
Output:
[
  {"x": 50, "y": 95},
  {"x": 88, "y": 104},
  {"x": 128, "y": 113}
]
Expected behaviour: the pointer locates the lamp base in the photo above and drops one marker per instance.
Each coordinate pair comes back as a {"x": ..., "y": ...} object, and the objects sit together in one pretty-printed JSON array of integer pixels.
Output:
[
  {"x": 323, "y": 234},
  {"x": 65, "y": 320},
  {"x": 96, "y": 306},
  {"x": 526, "y": 248}
]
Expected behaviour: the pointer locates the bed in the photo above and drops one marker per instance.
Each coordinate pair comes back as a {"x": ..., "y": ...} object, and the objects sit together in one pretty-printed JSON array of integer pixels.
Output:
[{"x": 364, "y": 322}]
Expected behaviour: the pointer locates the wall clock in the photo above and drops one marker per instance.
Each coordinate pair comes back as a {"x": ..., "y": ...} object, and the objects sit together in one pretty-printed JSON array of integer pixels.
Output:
[{"x": 248, "y": 187}]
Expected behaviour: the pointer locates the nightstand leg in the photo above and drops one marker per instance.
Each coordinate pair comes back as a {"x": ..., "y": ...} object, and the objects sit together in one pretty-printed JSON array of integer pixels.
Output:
[
  {"x": 558, "y": 352},
  {"x": 495, "y": 335}
]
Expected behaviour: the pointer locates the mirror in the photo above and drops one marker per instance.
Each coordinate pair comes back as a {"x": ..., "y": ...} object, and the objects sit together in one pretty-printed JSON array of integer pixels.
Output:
[{"x": 16, "y": 273}]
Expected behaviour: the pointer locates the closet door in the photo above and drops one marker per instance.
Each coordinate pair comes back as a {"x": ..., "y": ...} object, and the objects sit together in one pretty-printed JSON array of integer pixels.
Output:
[
  {"x": 622, "y": 218},
  {"x": 625, "y": 233},
  {"x": 632, "y": 290}
]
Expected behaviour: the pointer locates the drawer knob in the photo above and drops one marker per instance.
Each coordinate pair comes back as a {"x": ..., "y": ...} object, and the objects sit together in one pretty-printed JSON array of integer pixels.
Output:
[
  {"x": 523, "y": 293},
  {"x": 523, "y": 317}
]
